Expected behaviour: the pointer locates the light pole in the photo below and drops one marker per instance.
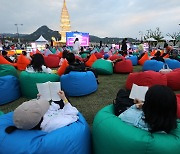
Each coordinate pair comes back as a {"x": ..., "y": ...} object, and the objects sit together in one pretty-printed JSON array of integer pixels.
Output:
[
  {"x": 18, "y": 31},
  {"x": 141, "y": 35}
]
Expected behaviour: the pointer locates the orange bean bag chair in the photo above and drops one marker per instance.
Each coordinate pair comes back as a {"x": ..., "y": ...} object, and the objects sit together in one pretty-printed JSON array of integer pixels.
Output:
[
  {"x": 22, "y": 62},
  {"x": 153, "y": 52},
  {"x": 52, "y": 61},
  {"x": 124, "y": 66},
  {"x": 178, "y": 105},
  {"x": 166, "y": 56},
  {"x": 62, "y": 68},
  {"x": 173, "y": 79},
  {"x": 147, "y": 78},
  {"x": 143, "y": 59},
  {"x": 91, "y": 60},
  {"x": 4, "y": 61}
]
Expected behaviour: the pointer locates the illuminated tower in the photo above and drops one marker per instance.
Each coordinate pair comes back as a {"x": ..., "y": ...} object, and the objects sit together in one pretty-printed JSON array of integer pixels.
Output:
[{"x": 65, "y": 23}]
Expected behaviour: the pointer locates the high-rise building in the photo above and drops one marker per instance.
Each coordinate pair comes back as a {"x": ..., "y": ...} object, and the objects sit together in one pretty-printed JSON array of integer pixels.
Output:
[{"x": 65, "y": 23}]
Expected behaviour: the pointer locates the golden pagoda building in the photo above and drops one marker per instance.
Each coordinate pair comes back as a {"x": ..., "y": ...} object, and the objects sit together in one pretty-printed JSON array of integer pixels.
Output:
[{"x": 65, "y": 23}]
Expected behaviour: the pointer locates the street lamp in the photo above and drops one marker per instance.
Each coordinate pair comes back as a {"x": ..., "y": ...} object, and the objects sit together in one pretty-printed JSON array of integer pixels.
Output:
[{"x": 18, "y": 31}]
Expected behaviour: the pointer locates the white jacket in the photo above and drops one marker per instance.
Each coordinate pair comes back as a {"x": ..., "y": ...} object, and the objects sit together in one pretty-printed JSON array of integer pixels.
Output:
[{"x": 56, "y": 118}]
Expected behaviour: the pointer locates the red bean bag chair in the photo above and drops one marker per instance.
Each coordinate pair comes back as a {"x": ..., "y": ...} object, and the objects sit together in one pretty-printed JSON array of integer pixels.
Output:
[
  {"x": 98, "y": 55},
  {"x": 62, "y": 68},
  {"x": 143, "y": 59},
  {"x": 91, "y": 60},
  {"x": 153, "y": 52},
  {"x": 51, "y": 61},
  {"x": 173, "y": 79},
  {"x": 178, "y": 105},
  {"x": 147, "y": 78},
  {"x": 79, "y": 58},
  {"x": 22, "y": 62},
  {"x": 166, "y": 56},
  {"x": 4, "y": 61},
  {"x": 114, "y": 57},
  {"x": 124, "y": 66}
]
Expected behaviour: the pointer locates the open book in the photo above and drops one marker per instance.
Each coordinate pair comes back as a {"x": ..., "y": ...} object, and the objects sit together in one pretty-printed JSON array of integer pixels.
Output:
[
  {"x": 138, "y": 92},
  {"x": 49, "y": 90}
]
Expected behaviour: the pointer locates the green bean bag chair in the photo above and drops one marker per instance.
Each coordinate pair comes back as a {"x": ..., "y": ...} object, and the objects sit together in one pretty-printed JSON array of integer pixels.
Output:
[
  {"x": 6, "y": 69},
  {"x": 113, "y": 136},
  {"x": 1, "y": 113},
  {"x": 28, "y": 82},
  {"x": 103, "y": 67}
]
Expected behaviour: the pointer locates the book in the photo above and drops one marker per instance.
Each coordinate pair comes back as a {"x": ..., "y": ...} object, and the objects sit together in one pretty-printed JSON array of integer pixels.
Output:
[
  {"x": 138, "y": 92},
  {"x": 49, "y": 90}
]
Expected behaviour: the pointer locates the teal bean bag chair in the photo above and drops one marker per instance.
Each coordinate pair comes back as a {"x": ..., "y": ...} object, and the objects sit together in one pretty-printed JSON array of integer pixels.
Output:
[
  {"x": 71, "y": 139},
  {"x": 6, "y": 69},
  {"x": 1, "y": 113},
  {"x": 79, "y": 83},
  {"x": 28, "y": 82},
  {"x": 113, "y": 136},
  {"x": 103, "y": 67},
  {"x": 9, "y": 89}
]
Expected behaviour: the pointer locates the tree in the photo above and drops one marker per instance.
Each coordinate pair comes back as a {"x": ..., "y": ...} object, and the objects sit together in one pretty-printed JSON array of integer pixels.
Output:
[
  {"x": 174, "y": 35},
  {"x": 156, "y": 34}
]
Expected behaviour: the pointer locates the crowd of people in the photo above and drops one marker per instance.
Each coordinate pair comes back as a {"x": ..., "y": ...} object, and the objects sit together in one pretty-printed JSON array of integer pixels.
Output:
[{"x": 156, "y": 113}]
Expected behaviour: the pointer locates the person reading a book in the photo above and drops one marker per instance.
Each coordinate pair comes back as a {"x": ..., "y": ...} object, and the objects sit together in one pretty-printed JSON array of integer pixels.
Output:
[
  {"x": 156, "y": 114},
  {"x": 38, "y": 65},
  {"x": 39, "y": 114}
]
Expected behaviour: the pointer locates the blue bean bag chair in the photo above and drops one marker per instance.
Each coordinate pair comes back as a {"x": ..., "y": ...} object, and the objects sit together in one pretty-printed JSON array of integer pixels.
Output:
[
  {"x": 133, "y": 59},
  {"x": 153, "y": 65},
  {"x": 71, "y": 139},
  {"x": 172, "y": 63},
  {"x": 9, "y": 89},
  {"x": 113, "y": 136},
  {"x": 78, "y": 83}
]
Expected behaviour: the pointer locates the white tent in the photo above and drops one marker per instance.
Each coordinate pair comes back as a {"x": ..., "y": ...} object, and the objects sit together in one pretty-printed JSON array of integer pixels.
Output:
[
  {"x": 151, "y": 39},
  {"x": 168, "y": 38},
  {"x": 41, "y": 39}
]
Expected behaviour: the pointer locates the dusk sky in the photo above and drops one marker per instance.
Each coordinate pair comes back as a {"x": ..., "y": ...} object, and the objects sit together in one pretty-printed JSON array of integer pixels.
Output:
[{"x": 103, "y": 18}]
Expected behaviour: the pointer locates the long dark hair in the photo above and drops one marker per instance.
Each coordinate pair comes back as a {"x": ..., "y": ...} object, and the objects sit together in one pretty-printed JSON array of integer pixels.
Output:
[
  {"x": 160, "y": 108},
  {"x": 37, "y": 62}
]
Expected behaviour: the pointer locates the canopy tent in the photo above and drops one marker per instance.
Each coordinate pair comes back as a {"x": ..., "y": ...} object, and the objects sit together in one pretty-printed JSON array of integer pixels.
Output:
[
  {"x": 151, "y": 39},
  {"x": 41, "y": 39},
  {"x": 168, "y": 38}
]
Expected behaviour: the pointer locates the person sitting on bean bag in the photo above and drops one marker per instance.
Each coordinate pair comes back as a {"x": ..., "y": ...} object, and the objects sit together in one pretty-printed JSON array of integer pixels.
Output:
[
  {"x": 4, "y": 54},
  {"x": 76, "y": 65},
  {"x": 158, "y": 57},
  {"x": 158, "y": 113},
  {"x": 64, "y": 55},
  {"x": 41, "y": 115},
  {"x": 38, "y": 65}
]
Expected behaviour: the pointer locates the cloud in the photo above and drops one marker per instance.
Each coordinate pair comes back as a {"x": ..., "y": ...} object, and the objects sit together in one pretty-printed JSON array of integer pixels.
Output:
[{"x": 102, "y": 18}]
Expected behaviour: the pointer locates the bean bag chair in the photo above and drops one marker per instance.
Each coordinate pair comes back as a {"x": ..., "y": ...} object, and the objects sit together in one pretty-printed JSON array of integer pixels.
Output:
[
  {"x": 11, "y": 52},
  {"x": 84, "y": 55},
  {"x": 143, "y": 59},
  {"x": 98, "y": 55},
  {"x": 166, "y": 56},
  {"x": 1, "y": 113},
  {"x": 106, "y": 56},
  {"x": 71, "y": 139},
  {"x": 178, "y": 105},
  {"x": 7, "y": 70},
  {"x": 91, "y": 60},
  {"x": 22, "y": 62},
  {"x": 172, "y": 63},
  {"x": 4, "y": 61},
  {"x": 78, "y": 83},
  {"x": 114, "y": 57},
  {"x": 133, "y": 59},
  {"x": 28, "y": 82},
  {"x": 153, "y": 53},
  {"x": 153, "y": 65},
  {"x": 135, "y": 53},
  {"x": 62, "y": 68},
  {"x": 9, "y": 89},
  {"x": 124, "y": 66},
  {"x": 52, "y": 61},
  {"x": 113, "y": 136},
  {"x": 103, "y": 67},
  {"x": 173, "y": 79},
  {"x": 147, "y": 78}
]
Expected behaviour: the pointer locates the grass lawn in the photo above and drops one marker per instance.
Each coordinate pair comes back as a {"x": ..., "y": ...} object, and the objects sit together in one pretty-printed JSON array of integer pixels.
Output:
[{"x": 89, "y": 105}]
